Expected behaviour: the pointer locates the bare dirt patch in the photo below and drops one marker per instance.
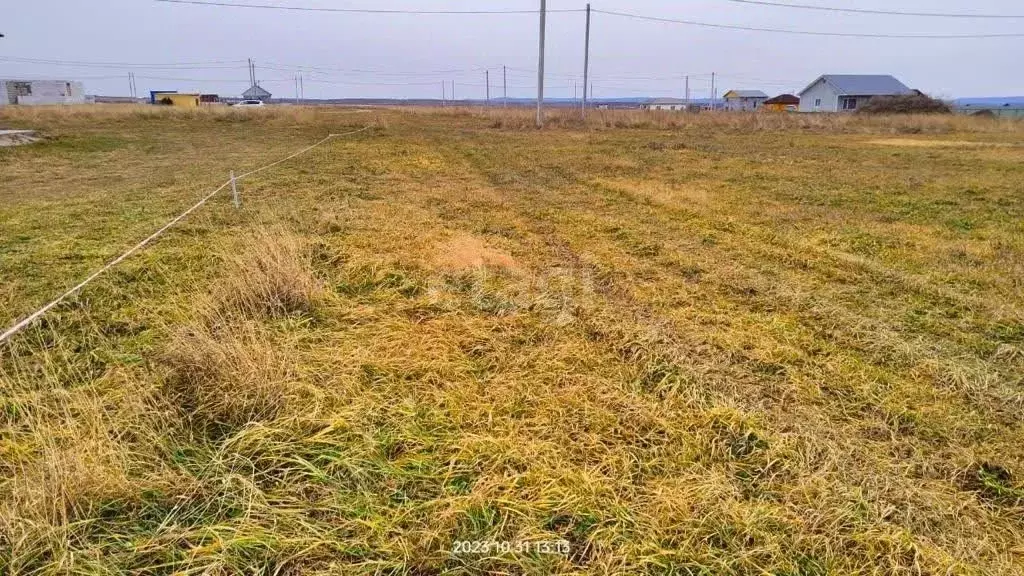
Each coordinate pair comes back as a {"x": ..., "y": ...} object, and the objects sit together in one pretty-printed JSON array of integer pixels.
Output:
[
  {"x": 17, "y": 137},
  {"x": 465, "y": 252}
]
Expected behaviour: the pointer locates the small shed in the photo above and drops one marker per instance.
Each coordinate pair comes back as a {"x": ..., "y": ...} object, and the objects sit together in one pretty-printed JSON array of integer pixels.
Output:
[
  {"x": 177, "y": 99},
  {"x": 782, "y": 103},
  {"x": 153, "y": 93},
  {"x": 744, "y": 99}
]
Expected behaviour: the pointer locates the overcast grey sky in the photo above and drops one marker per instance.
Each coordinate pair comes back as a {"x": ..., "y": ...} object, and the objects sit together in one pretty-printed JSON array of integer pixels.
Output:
[{"x": 366, "y": 55}]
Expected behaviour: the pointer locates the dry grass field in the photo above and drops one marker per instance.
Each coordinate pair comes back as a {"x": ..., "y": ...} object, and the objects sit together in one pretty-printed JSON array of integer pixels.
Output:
[{"x": 690, "y": 345}]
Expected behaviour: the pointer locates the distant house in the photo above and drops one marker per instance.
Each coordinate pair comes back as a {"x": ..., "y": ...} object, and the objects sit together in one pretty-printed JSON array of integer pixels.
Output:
[
  {"x": 665, "y": 104},
  {"x": 1012, "y": 107},
  {"x": 256, "y": 92},
  {"x": 782, "y": 103},
  {"x": 744, "y": 99},
  {"x": 848, "y": 92},
  {"x": 41, "y": 92}
]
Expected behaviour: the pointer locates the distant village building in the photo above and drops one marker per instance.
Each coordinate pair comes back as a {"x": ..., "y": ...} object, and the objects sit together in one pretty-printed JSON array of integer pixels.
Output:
[
  {"x": 848, "y": 92},
  {"x": 41, "y": 92},
  {"x": 782, "y": 103},
  {"x": 748, "y": 100},
  {"x": 1002, "y": 107},
  {"x": 153, "y": 94},
  {"x": 177, "y": 99},
  {"x": 674, "y": 104},
  {"x": 256, "y": 92}
]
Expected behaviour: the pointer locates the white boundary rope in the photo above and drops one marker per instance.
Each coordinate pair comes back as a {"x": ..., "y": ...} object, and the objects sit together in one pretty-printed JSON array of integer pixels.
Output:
[{"x": 35, "y": 315}]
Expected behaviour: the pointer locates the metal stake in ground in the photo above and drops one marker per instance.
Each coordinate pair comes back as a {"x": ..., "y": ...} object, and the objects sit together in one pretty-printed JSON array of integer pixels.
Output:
[{"x": 234, "y": 192}]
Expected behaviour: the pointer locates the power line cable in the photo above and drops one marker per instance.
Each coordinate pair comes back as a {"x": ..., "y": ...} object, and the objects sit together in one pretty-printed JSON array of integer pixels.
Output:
[
  {"x": 356, "y": 10},
  {"x": 806, "y": 32},
  {"x": 620, "y": 14},
  {"x": 878, "y": 12},
  {"x": 218, "y": 64},
  {"x": 327, "y": 69}
]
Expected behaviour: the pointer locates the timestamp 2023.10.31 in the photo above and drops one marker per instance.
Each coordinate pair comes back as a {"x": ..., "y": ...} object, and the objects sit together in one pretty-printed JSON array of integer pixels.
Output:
[{"x": 490, "y": 547}]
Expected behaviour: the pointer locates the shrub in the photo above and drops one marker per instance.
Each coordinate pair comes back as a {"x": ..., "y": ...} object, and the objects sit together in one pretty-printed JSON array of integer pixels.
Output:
[{"x": 908, "y": 104}]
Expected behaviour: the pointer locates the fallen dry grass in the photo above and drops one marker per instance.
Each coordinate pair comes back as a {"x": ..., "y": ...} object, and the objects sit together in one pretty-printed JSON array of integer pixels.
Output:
[{"x": 730, "y": 345}]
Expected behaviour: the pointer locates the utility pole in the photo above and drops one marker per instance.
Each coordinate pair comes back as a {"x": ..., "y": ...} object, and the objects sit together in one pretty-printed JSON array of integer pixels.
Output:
[
  {"x": 687, "y": 91},
  {"x": 487, "y": 81},
  {"x": 714, "y": 93},
  {"x": 453, "y": 93},
  {"x": 504, "y": 82},
  {"x": 444, "y": 93},
  {"x": 586, "y": 66},
  {"x": 540, "y": 64}
]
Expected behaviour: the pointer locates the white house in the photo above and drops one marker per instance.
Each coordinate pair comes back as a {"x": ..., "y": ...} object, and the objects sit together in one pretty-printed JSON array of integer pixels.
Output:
[
  {"x": 256, "y": 92},
  {"x": 848, "y": 92},
  {"x": 41, "y": 92},
  {"x": 665, "y": 104},
  {"x": 744, "y": 99}
]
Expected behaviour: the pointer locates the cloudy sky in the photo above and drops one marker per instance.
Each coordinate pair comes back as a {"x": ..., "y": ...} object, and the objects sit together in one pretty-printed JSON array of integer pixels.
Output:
[{"x": 204, "y": 48}]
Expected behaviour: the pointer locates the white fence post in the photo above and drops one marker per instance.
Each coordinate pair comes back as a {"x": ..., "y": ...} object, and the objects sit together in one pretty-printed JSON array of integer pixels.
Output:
[{"x": 234, "y": 191}]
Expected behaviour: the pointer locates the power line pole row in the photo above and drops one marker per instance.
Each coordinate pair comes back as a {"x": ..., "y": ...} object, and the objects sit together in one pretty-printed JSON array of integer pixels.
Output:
[{"x": 300, "y": 91}]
